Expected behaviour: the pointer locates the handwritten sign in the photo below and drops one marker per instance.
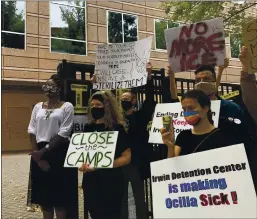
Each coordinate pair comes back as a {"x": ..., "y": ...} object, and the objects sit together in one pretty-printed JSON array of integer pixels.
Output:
[
  {"x": 179, "y": 123},
  {"x": 208, "y": 184},
  {"x": 96, "y": 149},
  {"x": 196, "y": 44},
  {"x": 250, "y": 41},
  {"x": 122, "y": 65}
]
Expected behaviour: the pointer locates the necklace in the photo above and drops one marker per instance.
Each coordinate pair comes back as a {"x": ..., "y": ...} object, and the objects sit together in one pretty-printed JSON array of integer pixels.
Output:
[{"x": 49, "y": 111}]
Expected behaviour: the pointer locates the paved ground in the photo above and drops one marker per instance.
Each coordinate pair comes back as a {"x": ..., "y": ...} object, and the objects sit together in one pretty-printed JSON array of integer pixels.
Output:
[{"x": 15, "y": 172}]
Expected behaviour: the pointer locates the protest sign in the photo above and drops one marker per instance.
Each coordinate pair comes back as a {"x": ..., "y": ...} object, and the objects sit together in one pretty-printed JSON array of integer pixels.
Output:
[
  {"x": 196, "y": 44},
  {"x": 250, "y": 41},
  {"x": 96, "y": 149},
  {"x": 122, "y": 65},
  {"x": 176, "y": 112},
  {"x": 209, "y": 184}
]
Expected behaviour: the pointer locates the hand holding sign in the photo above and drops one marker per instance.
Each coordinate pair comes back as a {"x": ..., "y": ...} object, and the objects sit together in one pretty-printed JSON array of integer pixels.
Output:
[
  {"x": 149, "y": 70},
  {"x": 85, "y": 168},
  {"x": 167, "y": 132},
  {"x": 243, "y": 58},
  {"x": 222, "y": 67}
]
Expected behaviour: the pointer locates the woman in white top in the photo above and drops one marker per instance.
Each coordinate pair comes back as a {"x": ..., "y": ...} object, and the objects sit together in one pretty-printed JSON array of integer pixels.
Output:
[{"x": 53, "y": 187}]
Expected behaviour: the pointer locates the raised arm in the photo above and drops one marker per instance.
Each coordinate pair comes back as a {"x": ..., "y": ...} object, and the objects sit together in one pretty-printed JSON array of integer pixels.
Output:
[
  {"x": 220, "y": 72},
  {"x": 173, "y": 86},
  {"x": 248, "y": 86}
]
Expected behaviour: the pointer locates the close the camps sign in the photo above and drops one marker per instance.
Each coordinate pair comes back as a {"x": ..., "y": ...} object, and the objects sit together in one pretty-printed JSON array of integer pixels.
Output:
[
  {"x": 211, "y": 184},
  {"x": 196, "y": 44},
  {"x": 96, "y": 149}
]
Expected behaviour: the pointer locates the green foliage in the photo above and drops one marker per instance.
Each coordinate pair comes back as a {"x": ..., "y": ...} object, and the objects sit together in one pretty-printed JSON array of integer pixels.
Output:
[
  {"x": 11, "y": 20},
  {"x": 115, "y": 32},
  {"x": 195, "y": 11}
]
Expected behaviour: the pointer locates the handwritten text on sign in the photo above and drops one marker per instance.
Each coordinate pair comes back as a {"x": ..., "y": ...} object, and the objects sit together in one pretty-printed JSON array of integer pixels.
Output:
[
  {"x": 196, "y": 44},
  {"x": 96, "y": 149},
  {"x": 208, "y": 184},
  {"x": 122, "y": 65},
  {"x": 250, "y": 41},
  {"x": 179, "y": 123}
]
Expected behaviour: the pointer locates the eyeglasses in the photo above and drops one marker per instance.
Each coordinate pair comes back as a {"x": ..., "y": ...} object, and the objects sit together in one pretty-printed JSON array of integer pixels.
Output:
[{"x": 198, "y": 80}]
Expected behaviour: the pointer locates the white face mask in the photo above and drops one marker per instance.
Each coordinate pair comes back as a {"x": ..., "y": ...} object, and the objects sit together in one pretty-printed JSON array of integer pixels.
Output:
[{"x": 207, "y": 87}]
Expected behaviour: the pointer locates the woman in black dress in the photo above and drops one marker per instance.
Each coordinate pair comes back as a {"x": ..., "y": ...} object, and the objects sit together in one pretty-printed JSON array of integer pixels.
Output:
[
  {"x": 204, "y": 135},
  {"x": 53, "y": 187},
  {"x": 103, "y": 188}
]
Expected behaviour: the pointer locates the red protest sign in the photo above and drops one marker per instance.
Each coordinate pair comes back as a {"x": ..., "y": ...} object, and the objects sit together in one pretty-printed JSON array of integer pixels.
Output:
[{"x": 196, "y": 44}]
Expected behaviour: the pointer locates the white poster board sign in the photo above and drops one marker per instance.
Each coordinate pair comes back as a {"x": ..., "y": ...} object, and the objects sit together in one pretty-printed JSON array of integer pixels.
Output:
[
  {"x": 94, "y": 148},
  {"x": 196, "y": 44},
  {"x": 201, "y": 186},
  {"x": 122, "y": 65},
  {"x": 175, "y": 110}
]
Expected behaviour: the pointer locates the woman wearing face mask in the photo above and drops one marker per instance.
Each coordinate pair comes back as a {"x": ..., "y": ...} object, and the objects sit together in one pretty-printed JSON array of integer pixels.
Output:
[
  {"x": 204, "y": 135},
  {"x": 53, "y": 186},
  {"x": 103, "y": 188}
]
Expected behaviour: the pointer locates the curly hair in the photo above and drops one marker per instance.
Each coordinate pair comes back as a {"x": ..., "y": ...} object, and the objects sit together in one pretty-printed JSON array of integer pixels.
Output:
[
  {"x": 113, "y": 113},
  {"x": 57, "y": 80}
]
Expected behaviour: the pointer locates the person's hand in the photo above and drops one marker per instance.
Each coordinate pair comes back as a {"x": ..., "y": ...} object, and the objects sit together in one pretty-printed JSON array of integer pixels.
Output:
[
  {"x": 170, "y": 72},
  {"x": 222, "y": 67},
  {"x": 243, "y": 58},
  {"x": 149, "y": 69},
  {"x": 93, "y": 79},
  {"x": 85, "y": 168},
  {"x": 37, "y": 155},
  {"x": 44, "y": 165},
  {"x": 168, "y": 138}
]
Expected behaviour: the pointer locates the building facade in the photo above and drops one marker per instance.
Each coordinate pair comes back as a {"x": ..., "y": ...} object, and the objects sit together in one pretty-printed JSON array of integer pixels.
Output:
[{"x": 36, "y": 36}]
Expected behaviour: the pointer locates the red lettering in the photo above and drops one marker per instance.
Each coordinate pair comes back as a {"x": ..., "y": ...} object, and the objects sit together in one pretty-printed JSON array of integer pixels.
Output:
[
  {"x": 200, "y": 44},
  {"x": 190, "y": 46},
  {"x": 200, "y": 31},
  {"x": 208, "y": 58},
  {"x": 177, "y": 47},
  {"x": 190, "y": 62},
  {"x": 204, "y": 201},
  {"x": 186, "y": 31},
  {"x": 211, "y": 42},
  {"x": 216, "y": 200},
  {"x": 183, "y": 63}
]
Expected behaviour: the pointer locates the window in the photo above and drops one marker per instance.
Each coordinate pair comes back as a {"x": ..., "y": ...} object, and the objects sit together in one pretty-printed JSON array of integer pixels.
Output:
[
  {"x": 238, "y": 1},
  {"x": 68, "y": 31},
  {"x": 160, "y": 26},
  {"x": 235, "y": 44},
  {"x": 13, "y": 24},
  {"x": 122, "y": 28}
]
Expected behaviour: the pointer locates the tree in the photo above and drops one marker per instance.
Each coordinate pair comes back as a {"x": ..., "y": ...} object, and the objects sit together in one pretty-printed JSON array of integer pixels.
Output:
[
  {"x": 115, "y": 32},
  {"x": 11, "y": 20},
  {"x": 74, "y": 17},
  {"x": 234, "y": 15}
]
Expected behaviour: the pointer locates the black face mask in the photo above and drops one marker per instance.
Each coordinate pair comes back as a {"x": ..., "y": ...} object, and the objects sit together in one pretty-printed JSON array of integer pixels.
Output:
[
  {"x": 97, "y": 113},
  {"x": 126, "y": 105}
]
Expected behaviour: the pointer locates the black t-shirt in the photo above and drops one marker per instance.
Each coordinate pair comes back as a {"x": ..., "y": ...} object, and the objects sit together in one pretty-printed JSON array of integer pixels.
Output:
[
  {"x": 215, "y": 139},
  {"x": 107, "y": 176}
]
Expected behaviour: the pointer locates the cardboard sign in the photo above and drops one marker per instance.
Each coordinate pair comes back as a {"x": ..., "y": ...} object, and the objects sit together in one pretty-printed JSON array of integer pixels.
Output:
[
  {"x": 175, "y": 110},
  {"x": 122, "y": 65},
  {"x": 250, "y": 41},
  {"x": 96, "y": 149},
  {"x": 202, "y": 43},
  {"x": 210, "y": 184}
]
